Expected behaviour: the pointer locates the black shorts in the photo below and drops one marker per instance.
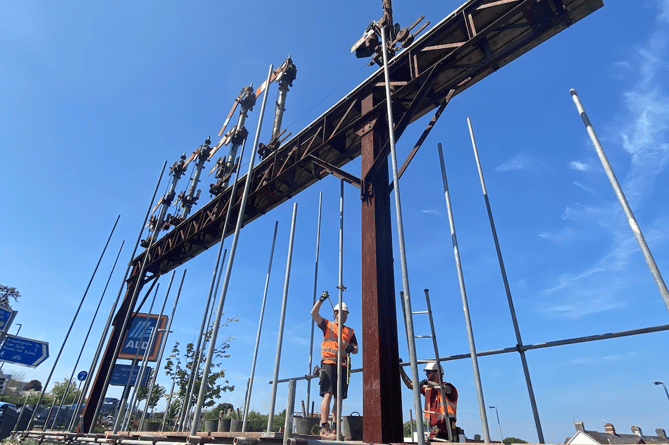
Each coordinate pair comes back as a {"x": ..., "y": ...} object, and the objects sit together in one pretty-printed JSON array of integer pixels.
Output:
[{"x": 328, "y": 380}]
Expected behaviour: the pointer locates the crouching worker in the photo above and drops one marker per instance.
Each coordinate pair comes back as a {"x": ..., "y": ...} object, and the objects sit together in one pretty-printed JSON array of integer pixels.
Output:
[
  {"x": 436, "y": 409},
  {"x": 328, "y": 373}
]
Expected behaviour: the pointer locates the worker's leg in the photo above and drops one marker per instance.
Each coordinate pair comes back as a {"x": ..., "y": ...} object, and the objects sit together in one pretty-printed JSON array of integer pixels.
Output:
[{"x": 325, "y": 407}]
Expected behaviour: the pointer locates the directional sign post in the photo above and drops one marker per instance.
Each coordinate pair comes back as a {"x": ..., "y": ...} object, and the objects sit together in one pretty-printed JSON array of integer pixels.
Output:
[
  {"x": 82, "y": 375},
  {"x": 24, "y": 351},
  {"x": 6, "y": 318}
]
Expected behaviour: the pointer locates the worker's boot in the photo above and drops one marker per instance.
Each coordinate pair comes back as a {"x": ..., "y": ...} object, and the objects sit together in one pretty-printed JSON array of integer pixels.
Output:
[{"x": 327, "y": 432}]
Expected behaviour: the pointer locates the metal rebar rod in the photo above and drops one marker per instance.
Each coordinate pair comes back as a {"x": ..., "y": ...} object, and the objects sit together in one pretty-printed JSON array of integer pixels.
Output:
[
  {"x": 145, "y": 326},
  {"x": 169, "y": 402},
  {"x": 133, "y": 299},
  {"x": 90, "y": 327},
  {"x": 465, "y": 304},
  {"x": 507, "y": 289},
  {"x": 636, "y": 230},
  {"x": 247, "y": 400},
  {"x": 400, "y": 228},
  {"x": 74, "y": 319},
  {"x": 228, "y": 271},
  {"x": 154, "y": 336},
  {"x": 290, "y": 409},
  {"x": 282, "y": 319},
  {"x": 313, "y": 301},
  {"x": 340, "y": 325}
]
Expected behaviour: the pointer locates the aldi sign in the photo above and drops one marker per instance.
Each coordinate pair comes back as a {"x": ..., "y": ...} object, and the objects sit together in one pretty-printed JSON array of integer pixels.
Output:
[{"x": 138, "y": 334}]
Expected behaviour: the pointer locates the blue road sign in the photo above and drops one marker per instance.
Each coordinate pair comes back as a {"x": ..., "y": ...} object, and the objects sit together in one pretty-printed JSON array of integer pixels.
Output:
[
  {"x": 137, "y": 336},
  {"x": 24, "y": 351},
  {"x": 121, "y": 372},
  {"x": 6, "y": 316},
  {"x": 82, "y": 375}
]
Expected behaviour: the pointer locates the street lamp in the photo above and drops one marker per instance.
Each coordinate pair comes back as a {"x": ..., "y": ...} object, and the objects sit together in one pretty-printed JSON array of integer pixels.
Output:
[
  {"x": 501, "y": 438},
  {"x": 665, "y": 388}
]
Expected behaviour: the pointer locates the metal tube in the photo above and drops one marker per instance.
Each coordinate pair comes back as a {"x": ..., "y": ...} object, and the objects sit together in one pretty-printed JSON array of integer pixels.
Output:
[
  {"x": 465, "y": 304},
  {"x": 413, "y": 361},
  {"x": 90, "y": 327},
  {"x": 282, "y": 319},
  {"x": 290, "y": 409},
  {"x": 636, "y": 230},
  {"x": 133, "y": 299},
  {"x": 154, "y": 336},
  {"x": 519, "y": 340},
  {"x": 131, "y": 405},
  {"x": 233, "y": 250},
  {"x": 247, "y": 401},
  {"x": 340, "y": 326},
  {"x": 76, "y": 313},
  {"x": 313, "y": 301},
  {"x": 400, "y": 232}
]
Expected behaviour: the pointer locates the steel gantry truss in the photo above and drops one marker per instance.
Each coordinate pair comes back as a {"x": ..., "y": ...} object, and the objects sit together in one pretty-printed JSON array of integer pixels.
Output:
[{"x": 472, "y": 42}]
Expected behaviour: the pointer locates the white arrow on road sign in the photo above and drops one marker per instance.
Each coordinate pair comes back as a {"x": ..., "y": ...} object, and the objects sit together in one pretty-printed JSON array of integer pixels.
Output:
[{"x": 24, "y": 351}]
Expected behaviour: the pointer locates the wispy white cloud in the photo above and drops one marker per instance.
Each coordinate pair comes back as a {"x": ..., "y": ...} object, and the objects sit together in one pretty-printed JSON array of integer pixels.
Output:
[
  {"x": 596, "y": 360},
  {"x": 521, "y": 162},
  {"x": 580, "y": 166},
  {"x": 587, "y": 189},
  {"x": 435, "y": 212}
]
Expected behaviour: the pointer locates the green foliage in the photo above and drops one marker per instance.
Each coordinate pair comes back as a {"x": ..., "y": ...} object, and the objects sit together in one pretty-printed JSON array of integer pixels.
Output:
[
  {"x": 178, "y": 367},
  {"x": 72, "y": 392},
  {"x": 7, "y": 292},
  {"x": 407, "y": 427},
  {"x": 513, "y": 440},
  {"x": 157, "y": 393}
]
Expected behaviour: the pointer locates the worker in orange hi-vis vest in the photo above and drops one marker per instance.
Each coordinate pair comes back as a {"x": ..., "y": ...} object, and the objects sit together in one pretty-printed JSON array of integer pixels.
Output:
[
  {"x": 328, "y": 368},
  {"x": 436, "y": 411}
]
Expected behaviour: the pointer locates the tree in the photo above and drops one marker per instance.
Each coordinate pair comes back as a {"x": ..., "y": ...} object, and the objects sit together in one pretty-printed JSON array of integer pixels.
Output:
[
  {"x": 179, "y": 372},
  {"x": 35, "y": 385},
  {"x": 157, "y": 393},
  {"x": 513, "y": 440},
  {"x": 72, "y": 392},
  {"x": 7, "y": 292}
]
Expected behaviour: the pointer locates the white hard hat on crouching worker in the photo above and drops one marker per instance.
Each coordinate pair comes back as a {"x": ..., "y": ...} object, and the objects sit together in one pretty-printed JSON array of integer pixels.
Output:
[
  {"x": 343, "y": 307},
  {"x": 432, "y": 366}
]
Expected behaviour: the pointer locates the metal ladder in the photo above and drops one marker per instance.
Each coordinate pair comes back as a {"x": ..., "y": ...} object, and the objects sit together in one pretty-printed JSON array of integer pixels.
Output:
[{"x": 433, "y": 336}]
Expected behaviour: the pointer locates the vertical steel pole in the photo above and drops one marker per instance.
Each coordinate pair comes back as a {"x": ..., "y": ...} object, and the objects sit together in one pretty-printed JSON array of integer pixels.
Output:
[
  {"x": 636, "y": 230},
  {"x": 398, "y": 216},
  {"x": 108, "y": 360},
  {"x": 313, "y": 301},
  {"x": 340, "y": 325},
  {"x": 90, "y": 327},
  {"x": 413, "y": 360},
  {"x": 76, "y": 313},
  {"x": 228, "y": 271},
  {"x": 290, "y": 409},
  {"x": 465, "y": 304},
  {"x": 519, "y": 340},
  {"x": 247, "y": 401},
  {"x": 282, "y": 320},
  {"x": 163, "y": 344}
]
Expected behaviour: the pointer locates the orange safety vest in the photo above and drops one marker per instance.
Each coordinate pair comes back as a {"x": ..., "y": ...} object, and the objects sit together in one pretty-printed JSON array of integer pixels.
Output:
[
  {"x": 434, "y": 410},
  {"x": 330, "y": 340}
]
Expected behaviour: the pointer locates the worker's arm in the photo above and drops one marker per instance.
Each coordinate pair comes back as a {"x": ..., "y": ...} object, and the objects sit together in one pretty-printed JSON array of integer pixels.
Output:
[{"x": 317, "y": 307}]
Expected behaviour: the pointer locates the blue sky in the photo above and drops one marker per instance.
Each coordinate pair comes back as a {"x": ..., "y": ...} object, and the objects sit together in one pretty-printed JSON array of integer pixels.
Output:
[{"x": 95, "y": 96}]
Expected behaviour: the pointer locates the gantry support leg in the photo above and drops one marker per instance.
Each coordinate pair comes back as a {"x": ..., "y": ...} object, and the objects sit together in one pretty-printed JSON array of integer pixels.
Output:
[{"x": 382, "y": 400}]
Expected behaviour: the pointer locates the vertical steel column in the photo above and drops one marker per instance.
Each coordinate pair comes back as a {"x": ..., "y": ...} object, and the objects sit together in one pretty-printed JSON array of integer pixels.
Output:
[
  {"x": 465, "y": 304},
  {"x": 340, "y": 287},
  {"x": 282, "y": 320},
  {"x": 657, "y": 276},
  {"x": 290, "y": 409},
  {"x": 101, "y": 382},
  {"x": 519, "y": 340},
  {"x": 228, "y": 270},
  {"x": 382, "y": 399},
  {"x": 247, "y": 399},
  {"x": 313, "y": 302}
]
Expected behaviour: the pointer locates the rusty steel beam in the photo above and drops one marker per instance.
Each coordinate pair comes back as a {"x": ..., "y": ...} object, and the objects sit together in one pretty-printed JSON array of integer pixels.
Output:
[{"x": 477, "y": 39}]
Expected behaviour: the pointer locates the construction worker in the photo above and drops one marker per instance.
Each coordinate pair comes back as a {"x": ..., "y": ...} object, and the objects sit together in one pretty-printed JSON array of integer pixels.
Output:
[
  {"x": 328, "y": 368},
  {"x": 434, "y": 407}
]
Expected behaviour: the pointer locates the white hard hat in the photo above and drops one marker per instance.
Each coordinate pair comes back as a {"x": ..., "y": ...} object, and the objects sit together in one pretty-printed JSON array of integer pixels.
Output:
[
  {"x": 343, "y": 307},
  {"x": 432, "y": 366}
]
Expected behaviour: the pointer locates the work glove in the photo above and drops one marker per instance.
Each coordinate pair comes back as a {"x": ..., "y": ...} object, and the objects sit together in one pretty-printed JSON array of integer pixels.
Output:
[
  {"x": 349, "y": 349},
  {"x": 324, "y": 296},
  {"x": 423, "y": 382}
]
